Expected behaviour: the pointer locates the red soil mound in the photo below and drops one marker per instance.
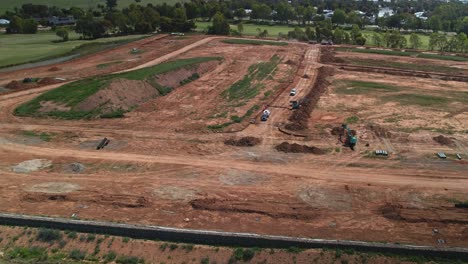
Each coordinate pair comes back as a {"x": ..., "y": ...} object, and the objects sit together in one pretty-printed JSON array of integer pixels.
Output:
[
  {"x": 296, "y": 148},
  {"x": 444, "y": 140},
  {"x": 243, "y": 142}
]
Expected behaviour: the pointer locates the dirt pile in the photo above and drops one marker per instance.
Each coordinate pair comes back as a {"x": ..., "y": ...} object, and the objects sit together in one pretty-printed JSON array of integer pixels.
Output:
[
  {"x": 243, "y": 142},
  {"x": 336, "y": 131},
  {"x": 425, "y": 215},
  {"x": 31, "y": 165},
  {"x": 290, "y": 62},
  {"x": 296, "y": 148},
  {"x": 48, "y": 81},
  {"x": 276, "y": 209},
  {"x": 20, "y": 85},
  {"x": 380, "y": 131},
  {"x": 444, "y": 140},
  {"x": 55, "y": 68},
  {"x": 300, "y": 117}
]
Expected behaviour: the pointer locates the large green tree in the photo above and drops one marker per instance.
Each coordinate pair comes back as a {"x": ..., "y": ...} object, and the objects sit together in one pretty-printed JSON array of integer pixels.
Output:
[{"x": 220, "y": 25}]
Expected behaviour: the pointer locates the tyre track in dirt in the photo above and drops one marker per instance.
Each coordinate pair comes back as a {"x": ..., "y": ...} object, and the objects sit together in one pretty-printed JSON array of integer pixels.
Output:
[{"x": 342, "y": 175}]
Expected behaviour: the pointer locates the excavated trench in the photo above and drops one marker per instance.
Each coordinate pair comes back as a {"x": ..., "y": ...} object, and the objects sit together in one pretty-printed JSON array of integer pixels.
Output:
[{"x": 300, "y": 117}]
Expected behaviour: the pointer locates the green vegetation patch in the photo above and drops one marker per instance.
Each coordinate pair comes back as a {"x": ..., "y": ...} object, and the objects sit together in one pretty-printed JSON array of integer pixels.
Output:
[
  {"x": 251, "y": 84},
  {"x": 70, "y": 95},
  {"x": 360, "y": 87},
  {"x": 32, "y": 253},
  {"x": 404, "y": 66},
  {"x": 255, "y": 42},
  {"x": 404, "y": 54},
  {"x": 235, "y": 119},
  {"x": 418, "y": 99}
]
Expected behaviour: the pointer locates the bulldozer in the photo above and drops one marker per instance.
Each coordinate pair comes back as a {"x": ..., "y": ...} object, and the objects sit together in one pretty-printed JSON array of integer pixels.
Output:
[{"x": 350, "y": 137}]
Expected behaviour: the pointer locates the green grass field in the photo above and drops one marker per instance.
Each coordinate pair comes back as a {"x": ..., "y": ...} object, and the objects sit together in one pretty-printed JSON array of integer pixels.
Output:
[
  {"x": 424, "y": 39},
  {"x": 251, "y": 29},
  {"x": 73, "y": 93},
  {"x": 405, "y": 54},
  {"x": 405, "y": 66},
  {"x": 18, "y": 49},
  {"x": 11, "y": 4}
]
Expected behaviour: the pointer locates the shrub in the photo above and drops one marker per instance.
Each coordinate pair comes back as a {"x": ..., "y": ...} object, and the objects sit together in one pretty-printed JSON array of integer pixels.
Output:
[
  {"x": 129, "y": 260},
  {"x": 241, "y": 254},
  {"x": 205, "y": 260},
  {"x": 110, "y": 256},
  {"x": 91, "y": 237},
  {"x": 125, "y": 239},
  {"x": 62, "y": 243},
  {"x": 173, "y": 246},
  {"x": 48, "y": 235},
  {"x": 72, "y": 235},
  {"x": 77, "y": 254}
]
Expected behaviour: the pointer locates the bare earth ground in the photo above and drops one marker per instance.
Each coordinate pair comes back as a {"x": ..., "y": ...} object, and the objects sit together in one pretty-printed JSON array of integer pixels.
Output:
[{"x": 163, "y": 167}]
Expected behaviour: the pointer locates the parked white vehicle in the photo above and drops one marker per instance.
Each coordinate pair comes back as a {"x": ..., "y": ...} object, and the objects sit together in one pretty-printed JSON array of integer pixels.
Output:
[{"x": 293, "y": 92}]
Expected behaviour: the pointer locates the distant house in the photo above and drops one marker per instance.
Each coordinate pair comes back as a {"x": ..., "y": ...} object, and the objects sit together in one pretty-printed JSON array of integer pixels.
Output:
[
  {"x": 61, "y": 21},
  {"x": 386, "y": 11},
  {"x": 4, "y": 22}
]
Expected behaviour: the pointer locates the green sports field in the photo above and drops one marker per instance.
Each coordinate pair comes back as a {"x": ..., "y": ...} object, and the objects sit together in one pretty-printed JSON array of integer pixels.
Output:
[
  {"x": 11, "y": 4},
  {"x": 17, "y": 49}
]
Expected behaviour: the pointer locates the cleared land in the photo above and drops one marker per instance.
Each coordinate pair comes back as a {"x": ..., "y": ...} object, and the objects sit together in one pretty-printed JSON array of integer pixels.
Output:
[
  {"x": 167, "y": 162},
  {"x": 46, "y": 45}
]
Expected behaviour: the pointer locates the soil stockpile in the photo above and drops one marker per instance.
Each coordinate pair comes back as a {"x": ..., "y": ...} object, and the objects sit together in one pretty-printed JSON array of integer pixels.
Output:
[
  {"x": 19, "y": 85},
  {"x": 380, "y": 131},
  {"x": 47, "y": 81},
  {"x": 444, "y": 140},
  {"x": 296, "y": 148},
  {"x": 300, "y": 117},
  {"x": 55, "y": 68},
  {"x": 243, "y": 142}
]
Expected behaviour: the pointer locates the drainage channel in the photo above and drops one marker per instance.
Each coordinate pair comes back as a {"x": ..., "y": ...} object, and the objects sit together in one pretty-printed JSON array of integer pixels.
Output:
[{"x": 217, "y": 238}]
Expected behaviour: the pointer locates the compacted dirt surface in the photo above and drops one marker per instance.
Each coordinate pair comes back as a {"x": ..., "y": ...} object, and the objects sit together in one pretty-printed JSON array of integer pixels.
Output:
[{"x": 164, "y": 166}]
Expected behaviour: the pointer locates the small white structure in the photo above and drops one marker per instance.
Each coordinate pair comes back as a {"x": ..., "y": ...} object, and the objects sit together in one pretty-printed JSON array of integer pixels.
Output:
[{"x": 4, "y": 22}]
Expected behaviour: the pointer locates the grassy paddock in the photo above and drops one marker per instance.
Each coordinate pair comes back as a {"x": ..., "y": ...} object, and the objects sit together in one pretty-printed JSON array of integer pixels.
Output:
[
  {"x": 73, "y": 93},
  {"x": 254, "y": 42},
  {"x": 44, "y": 45},
  {"x": 405, "y": 54},
  {"x": 360, "y": 87},
  {"x": 405, "y": 66}
]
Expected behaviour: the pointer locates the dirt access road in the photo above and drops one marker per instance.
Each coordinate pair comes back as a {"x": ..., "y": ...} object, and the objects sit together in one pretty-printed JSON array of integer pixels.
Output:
[{"x": 188, "y": 179}]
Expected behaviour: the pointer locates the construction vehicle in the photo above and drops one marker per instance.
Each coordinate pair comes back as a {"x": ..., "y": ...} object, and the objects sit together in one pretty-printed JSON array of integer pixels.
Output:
[
  {"x": 350, "y": 137},
  {"x": 265, "y": 115}
]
